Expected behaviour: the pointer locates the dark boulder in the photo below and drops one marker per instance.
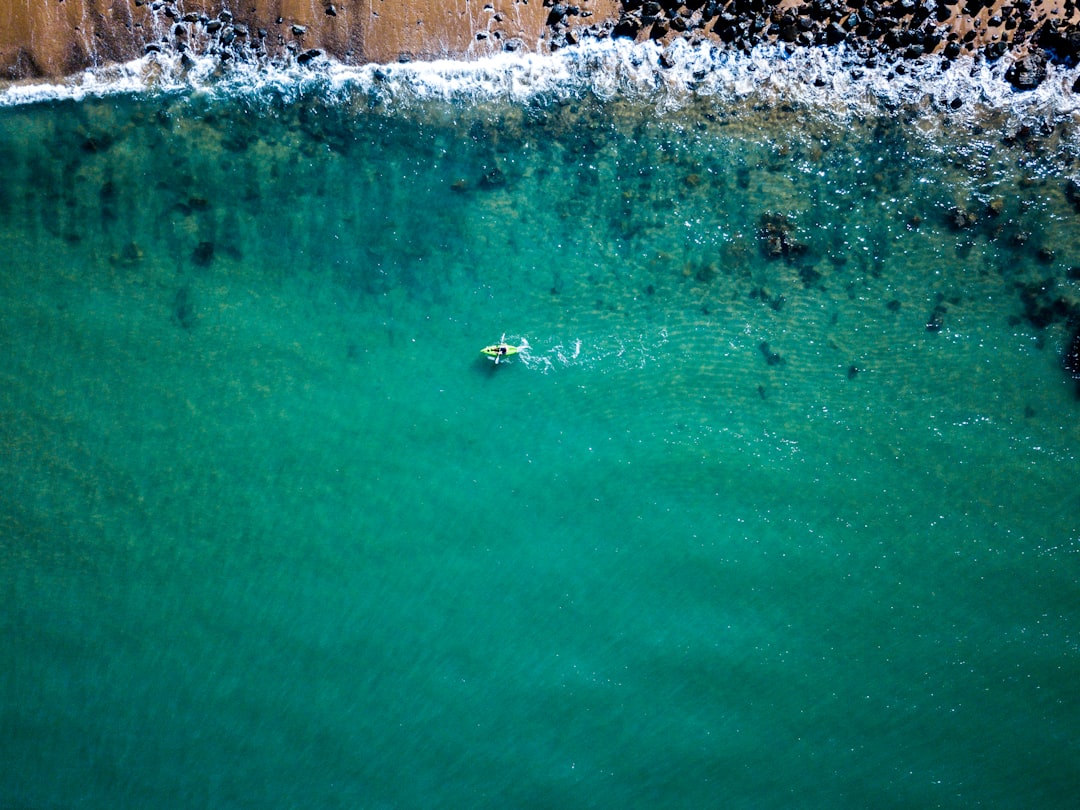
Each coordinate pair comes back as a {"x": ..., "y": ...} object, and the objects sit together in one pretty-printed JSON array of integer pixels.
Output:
[
  {"x": 711, "y": 9},
  {"x": 558, "y": 11},
  {"x": 1028, "y": 72},
  {"x": 726, "y": 27},
  {"x": 1061, "y": 41},
  {"x": 748, "y": 6},
  {"x": 834, "y": 34}
]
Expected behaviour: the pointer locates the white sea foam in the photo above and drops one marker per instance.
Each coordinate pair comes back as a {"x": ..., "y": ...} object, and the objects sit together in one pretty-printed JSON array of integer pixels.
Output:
[
  {"x": 830, "y": 79},
  {"x": 604, "y": 353}
]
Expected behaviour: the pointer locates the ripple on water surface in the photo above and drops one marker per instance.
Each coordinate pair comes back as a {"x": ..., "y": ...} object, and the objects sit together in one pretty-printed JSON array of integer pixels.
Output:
[{"x": 776, "y": 503}]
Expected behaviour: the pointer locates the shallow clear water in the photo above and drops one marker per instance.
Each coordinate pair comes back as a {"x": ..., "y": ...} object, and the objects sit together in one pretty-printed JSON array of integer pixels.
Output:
[{"x": 733, "y": 530}]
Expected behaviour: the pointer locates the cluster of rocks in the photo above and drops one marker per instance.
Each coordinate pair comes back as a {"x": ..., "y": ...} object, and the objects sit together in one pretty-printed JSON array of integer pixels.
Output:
[
  {"x": 1045, "y": 302},
  {"x": 226, "y": 38},
  {"x": 775, "y": 232},
  {"x": 875, "y": 29},
  {"x": 567, "y": 25}
]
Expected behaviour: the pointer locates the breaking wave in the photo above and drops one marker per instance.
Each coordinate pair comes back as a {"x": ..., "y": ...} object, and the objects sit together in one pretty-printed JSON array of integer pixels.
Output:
[{"x": 830, "y": 79}]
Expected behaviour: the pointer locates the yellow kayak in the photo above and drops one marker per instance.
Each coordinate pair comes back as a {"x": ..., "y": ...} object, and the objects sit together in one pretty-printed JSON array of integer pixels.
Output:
[{"x": 499, "y": 350}]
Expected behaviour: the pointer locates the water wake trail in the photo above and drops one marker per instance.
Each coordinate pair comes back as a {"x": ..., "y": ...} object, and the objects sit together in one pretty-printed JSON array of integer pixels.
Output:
[{"x": 602, "y": 353}]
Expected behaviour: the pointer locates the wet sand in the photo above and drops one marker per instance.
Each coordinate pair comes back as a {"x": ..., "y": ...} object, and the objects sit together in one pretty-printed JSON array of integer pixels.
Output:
[
  {"x": 56, "y": 39},
  {"x": 49, "y": 40}
]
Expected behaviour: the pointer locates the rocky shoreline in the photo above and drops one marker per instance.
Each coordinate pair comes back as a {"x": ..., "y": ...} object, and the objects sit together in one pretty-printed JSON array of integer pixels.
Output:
[
  {"x": 49, "y": 40},
  {"x": 905, "y": 29}
]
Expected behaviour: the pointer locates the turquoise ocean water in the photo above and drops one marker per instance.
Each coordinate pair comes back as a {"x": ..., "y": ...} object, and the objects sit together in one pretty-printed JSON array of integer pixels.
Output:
[{"x": 734, "y": 529}]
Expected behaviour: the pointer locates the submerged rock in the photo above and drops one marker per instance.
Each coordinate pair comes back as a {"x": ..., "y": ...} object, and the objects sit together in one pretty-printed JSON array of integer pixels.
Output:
[
  {"x": 1070, "y": 359},
  {"x": 960, "y": 219},
  {"x": 810, "y": 277},
  {"x": 493, "y": 179},
  {"x": 775, "y": 301},
  {"x": 183, "y": 310},
  {"x": 203, "y": 254},
  {"x": 1043, "y": 305},
  {"x": 771, "y": 358},
  {"x": 936, "y": 320},
  {"x": 1072, "y": 194},
  {"x": 774, "y": 231}
]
